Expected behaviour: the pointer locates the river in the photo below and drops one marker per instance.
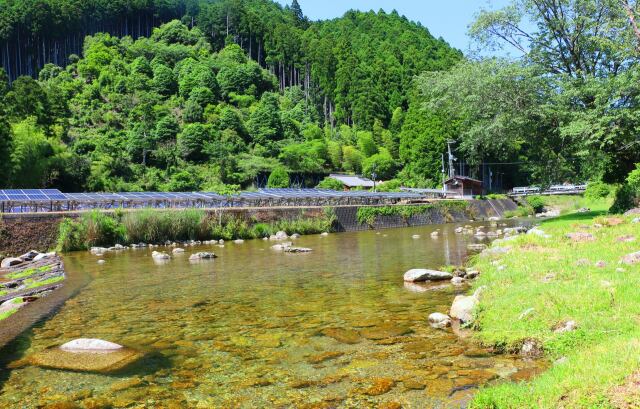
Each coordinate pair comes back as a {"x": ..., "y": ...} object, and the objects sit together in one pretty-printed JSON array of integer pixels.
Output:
[{"x": 257, "y": 328}]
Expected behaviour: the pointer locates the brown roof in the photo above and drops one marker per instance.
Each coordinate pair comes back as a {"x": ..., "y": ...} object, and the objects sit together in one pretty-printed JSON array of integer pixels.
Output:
[{"x": 464, "y": 179}]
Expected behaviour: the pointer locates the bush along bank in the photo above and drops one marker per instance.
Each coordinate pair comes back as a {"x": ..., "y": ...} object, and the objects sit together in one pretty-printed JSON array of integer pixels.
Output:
[
  {"x": 568, "y": 291},
  {"x": 159, "y": 226},
  {"x": 445, "y": 209}
]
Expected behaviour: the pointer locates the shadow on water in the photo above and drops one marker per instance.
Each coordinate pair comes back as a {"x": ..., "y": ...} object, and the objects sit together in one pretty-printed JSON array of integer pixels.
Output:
[{"x": 12, "y": 352}]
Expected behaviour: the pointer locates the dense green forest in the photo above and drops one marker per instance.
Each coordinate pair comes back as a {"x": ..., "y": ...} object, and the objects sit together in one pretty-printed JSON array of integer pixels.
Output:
[
  {"x": 218, "y": 95},
  {"x": 216, "y": 101}
]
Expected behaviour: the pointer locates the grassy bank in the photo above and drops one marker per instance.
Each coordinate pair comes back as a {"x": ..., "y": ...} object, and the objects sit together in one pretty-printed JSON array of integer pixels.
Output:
[
  {"x": 156, "y": 226},
  {"x": 565, "y": 204},
  {"x": 541, "y": 283}
]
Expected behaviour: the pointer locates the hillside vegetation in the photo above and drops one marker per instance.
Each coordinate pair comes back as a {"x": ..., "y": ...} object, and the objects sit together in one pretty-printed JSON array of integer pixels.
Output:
[{"x": 236, "y": 91}]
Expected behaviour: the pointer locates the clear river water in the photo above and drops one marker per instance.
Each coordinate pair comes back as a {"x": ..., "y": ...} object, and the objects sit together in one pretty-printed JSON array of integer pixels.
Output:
[{"x": 256, "y": 328}]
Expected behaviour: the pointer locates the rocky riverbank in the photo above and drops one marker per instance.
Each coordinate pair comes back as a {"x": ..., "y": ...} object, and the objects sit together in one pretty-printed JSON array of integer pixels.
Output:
[{"x": 26, "y": 278}]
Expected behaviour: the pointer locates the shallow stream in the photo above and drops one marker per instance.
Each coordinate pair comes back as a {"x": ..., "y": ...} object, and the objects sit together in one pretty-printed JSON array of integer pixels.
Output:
[{"x": 257, "y": 328}]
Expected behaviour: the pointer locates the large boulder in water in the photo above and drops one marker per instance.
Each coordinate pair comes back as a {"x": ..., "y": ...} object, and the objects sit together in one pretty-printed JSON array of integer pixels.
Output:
[
  {"x": 86, "y": 355},
  {"x": 422, "y": 274}
]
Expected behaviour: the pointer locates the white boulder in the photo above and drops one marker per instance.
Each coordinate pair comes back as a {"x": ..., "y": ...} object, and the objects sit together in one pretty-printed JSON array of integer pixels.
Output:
[
  {"x": 439, "y": 320},
  {"x": 90, "y": 345}
]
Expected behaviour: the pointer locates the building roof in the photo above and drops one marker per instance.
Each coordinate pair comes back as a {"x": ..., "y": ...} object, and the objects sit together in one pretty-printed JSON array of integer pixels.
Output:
[
  {"x": 463, "y": 179},
  {"x": 353, "y": 180}
]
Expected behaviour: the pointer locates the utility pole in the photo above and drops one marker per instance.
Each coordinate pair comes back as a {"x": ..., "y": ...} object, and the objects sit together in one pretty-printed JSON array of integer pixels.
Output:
[
  {"x": 444, "y": 179},
  {"x": 452, "y": 171}
]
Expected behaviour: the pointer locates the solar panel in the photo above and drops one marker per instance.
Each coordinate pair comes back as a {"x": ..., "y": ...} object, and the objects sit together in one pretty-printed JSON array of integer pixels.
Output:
[
  {"x": 37, "y": 197},
  {"x": 17, "y": 197}
]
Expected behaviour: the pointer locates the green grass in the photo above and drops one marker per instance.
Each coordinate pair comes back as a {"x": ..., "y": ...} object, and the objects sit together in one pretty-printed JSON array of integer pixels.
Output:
[
  {"x": 604, "y": 303},
  {"x": 7, "y": 314},
  {"x": 34, "y": 284},
  {"x": 22, "y": 274},
  {"x": 571, "y": 203}
]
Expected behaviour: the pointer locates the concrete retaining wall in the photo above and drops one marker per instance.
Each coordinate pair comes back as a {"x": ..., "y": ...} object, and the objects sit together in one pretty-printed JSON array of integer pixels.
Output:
[{"x": 21, "y": 233}]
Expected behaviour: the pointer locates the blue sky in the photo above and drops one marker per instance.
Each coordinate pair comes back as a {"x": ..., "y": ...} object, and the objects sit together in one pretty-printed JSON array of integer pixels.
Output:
[{"x": 448, "y": 19}]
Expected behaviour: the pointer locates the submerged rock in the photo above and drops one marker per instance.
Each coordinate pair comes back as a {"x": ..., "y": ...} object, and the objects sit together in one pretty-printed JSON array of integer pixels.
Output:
[
  {"x": 345, "y": 336},
  {"x": 439, "y": 320},
  {"x": 238, "y": 241},
  {"x": 177, "y": 250},
  {"x": 86, "y": 355},
  {"x": 203, "y": 255},
  {"x": 281, "y": 246},
  {"x": 297, "y": 250},
  {"x": 158, "y": 255},
  {"x": 422, "y": 274}
]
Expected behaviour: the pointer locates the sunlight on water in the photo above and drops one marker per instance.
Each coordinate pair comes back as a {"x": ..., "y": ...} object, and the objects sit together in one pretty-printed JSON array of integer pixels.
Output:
[{"x": 258, "y": 328}]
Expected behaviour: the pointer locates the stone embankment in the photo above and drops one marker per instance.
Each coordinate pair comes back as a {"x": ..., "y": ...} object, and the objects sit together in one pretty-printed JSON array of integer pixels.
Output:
[{"x": 27, "y": 278}]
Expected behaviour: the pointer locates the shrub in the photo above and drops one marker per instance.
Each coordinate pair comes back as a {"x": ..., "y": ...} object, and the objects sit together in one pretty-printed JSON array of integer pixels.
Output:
[
  {"x": 102, "y": 229},
  {"x": 71, "y": 236},
  {"x": 597, "y": 190},
  {"x": 262, "y": 230},
  {"x": 368, "y": 215},
  {"x": 392, "y": 185},
  {"x": 153, "y": 226},
  {"x": 537, "y": 203},
  {"x": 279, "y": 178},
  {"x": 330, "y": 183},
  {"x": 627, "y": 195},
  {"x": 521, "y": 211}
]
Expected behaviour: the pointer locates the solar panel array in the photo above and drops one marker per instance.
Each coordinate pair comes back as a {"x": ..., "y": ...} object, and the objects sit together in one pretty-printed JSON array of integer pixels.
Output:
[
  {"x": 45, "y": 200},
  {"x": 31, "y": 195}
]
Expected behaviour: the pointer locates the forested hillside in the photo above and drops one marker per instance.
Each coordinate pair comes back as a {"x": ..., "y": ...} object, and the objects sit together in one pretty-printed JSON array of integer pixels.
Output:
[
  {"x": 234, "y": 91},
  {"x": 228, "y": 92}
]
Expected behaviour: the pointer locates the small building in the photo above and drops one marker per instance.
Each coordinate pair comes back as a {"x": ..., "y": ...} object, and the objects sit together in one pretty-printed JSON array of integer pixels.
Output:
[
  {"x": 463, "y": 186},
  {"x": 353, "y": 181}
]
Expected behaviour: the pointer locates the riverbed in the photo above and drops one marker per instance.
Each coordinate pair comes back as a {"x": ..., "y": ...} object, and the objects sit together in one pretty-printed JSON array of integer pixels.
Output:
[{"x": 336, "y": 327}]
